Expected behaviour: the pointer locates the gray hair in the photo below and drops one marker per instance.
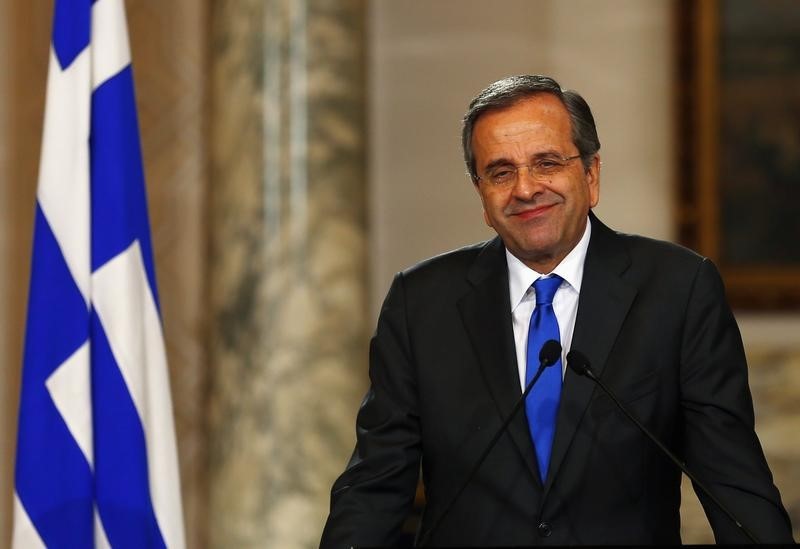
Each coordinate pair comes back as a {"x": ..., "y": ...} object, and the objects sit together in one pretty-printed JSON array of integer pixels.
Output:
[{"x": 509, "y": 91}]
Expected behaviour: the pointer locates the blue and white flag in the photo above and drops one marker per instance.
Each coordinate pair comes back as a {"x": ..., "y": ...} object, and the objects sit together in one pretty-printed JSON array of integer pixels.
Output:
[{"x": 96, "y": 457}]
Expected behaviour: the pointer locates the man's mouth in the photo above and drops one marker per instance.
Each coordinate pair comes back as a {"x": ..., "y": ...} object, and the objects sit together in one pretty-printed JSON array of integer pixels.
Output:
[{"x": 532, "y": 212}]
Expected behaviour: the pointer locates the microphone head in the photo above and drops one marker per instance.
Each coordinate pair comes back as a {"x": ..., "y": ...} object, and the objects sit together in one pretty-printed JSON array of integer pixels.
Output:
[
  {"x": 550, "y": 353},
  {"x": 579, "y": 363}
]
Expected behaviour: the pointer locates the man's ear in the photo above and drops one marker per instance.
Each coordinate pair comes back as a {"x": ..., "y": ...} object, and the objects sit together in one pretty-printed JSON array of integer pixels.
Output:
[
  {"x": 483, "y": 206},
  {"x": 486, "y": 218},
  {"x": 593, "y": 180}
]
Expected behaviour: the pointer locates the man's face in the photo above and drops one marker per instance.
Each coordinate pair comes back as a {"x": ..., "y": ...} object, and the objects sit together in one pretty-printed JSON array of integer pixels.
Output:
[{"x": 540, "y": 218}]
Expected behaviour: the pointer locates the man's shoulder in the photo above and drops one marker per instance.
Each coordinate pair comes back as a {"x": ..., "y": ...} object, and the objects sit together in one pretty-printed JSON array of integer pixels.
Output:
[
  {"x": 646, "y": 261},
  {"x": 647, "y": 249},
  {"x": 446, "y": 275},
  {"x": 448, "y": 263},
  {"x": 659, "y": 250},
  {"x": 667, "y": 268}
]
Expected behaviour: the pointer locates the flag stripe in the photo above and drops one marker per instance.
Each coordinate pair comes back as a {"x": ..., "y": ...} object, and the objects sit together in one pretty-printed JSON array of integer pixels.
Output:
[
  {"x": 110, "y": 50},
  {"x": 121, "y": 293},
  {"x": 119, "y": 204},
  {"x": 54, "y": 481},
  {"x": 121, "y": 473},
  {"x": 63, "y": 192},
  {"x": 70, "y": 388},
  {"x": 24, "y": 535},
  {"x": 55, "y": 306},
  {"x": 71, "y": 29},
  {"x": 100, "y": 538}
]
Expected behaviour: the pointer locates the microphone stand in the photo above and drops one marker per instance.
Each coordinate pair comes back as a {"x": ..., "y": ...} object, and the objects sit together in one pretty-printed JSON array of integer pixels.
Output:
[
  {"x": 584, "y": 369},
  {"x": 549, "y": 355}
]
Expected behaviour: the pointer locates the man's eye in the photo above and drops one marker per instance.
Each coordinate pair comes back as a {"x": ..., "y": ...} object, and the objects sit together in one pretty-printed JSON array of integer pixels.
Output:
[
  {"x": 502, "y": 175},
  {"x": 547, "y": 164}
]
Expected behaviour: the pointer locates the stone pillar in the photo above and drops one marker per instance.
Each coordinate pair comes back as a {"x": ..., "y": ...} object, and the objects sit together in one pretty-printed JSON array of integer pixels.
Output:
[{"x": 287, "y": 283}]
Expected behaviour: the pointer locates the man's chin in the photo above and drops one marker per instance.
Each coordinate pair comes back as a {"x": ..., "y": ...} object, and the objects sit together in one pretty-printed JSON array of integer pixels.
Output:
[{"x": 532, "y": 252}]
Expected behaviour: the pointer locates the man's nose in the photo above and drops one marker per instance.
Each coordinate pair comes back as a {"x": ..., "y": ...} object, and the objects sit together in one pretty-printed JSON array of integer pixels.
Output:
[{"x": 527, "y": 184}]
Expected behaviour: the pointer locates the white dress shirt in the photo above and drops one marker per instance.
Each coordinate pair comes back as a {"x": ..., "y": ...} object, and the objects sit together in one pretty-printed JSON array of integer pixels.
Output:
[{"x": 565, "y": 302}]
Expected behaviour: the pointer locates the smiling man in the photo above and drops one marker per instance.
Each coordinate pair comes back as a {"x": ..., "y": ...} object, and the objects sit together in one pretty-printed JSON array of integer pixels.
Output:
[
  {"x": 460, "y": 336},
  {"x": 541, "y": 215}
]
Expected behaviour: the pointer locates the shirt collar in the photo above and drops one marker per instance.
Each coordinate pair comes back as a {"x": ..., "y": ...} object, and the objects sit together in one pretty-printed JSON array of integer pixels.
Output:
[{"x": 521, "y": 277}]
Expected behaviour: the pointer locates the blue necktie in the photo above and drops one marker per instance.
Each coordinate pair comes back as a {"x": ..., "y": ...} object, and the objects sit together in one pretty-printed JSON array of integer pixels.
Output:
[{"x": 541, "y": 406}]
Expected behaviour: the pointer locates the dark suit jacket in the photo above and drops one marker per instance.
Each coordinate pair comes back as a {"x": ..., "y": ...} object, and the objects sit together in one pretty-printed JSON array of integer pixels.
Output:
[{"x": 652, "y": 319}]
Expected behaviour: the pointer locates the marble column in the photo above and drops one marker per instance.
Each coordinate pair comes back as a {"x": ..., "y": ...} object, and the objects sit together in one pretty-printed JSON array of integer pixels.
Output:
[{"x": 287, "y": 264}]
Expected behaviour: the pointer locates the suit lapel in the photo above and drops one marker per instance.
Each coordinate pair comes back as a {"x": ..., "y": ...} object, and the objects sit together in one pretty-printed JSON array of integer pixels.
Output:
[
  {"x": 602, "y": 307},
  {"x": 486, "y": 314}
]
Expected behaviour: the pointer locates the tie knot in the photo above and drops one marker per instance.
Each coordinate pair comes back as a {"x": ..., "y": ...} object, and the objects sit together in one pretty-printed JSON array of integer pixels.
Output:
[{"x": 546, "y": 288}]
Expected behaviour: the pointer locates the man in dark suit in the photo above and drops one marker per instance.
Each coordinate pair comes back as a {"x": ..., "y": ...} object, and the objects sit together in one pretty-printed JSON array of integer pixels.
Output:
[{"x": 459, "y": 336}]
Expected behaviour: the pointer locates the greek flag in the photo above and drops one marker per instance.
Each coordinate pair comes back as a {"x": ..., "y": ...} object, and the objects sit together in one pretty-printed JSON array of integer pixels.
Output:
[{"x": 96, "y": 457}]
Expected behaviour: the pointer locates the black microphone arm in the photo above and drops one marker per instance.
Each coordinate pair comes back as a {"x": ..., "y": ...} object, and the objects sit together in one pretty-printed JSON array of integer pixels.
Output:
[
  {"x": 579, "y": 364},
  {"x": 549, "y": 355}
]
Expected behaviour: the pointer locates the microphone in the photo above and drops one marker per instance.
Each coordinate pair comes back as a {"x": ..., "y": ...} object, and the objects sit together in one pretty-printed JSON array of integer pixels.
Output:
[
  {"x": 548, "y": 355},
  {"x": 579, "y": 364}
]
